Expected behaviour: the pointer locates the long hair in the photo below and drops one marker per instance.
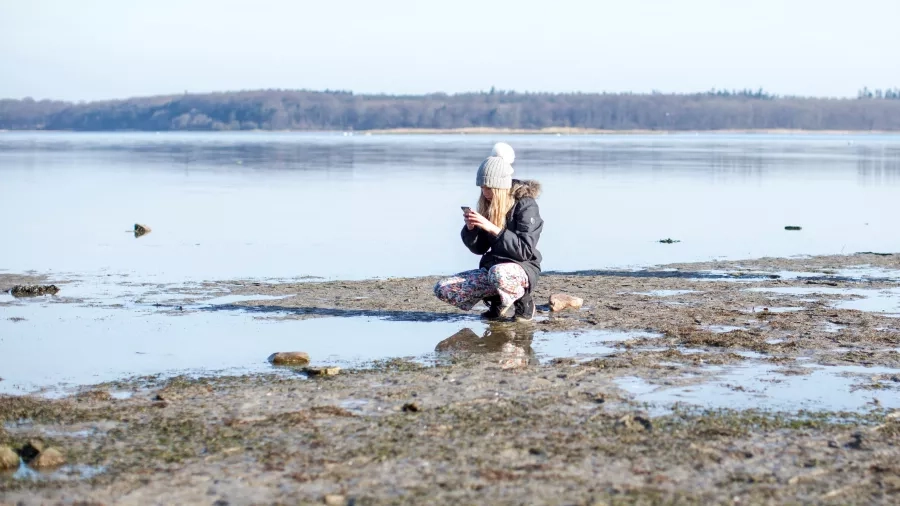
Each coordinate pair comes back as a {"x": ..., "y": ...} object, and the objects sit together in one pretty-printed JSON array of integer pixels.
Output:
[{"x": 498, "y": 207}]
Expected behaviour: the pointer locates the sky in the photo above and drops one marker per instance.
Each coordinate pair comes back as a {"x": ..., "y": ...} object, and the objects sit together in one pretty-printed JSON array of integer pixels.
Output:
[{"x": 102, "y": 49}]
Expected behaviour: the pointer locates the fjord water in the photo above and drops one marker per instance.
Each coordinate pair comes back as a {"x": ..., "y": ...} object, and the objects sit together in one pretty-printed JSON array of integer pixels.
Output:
[{"x": 283, "y": 205}]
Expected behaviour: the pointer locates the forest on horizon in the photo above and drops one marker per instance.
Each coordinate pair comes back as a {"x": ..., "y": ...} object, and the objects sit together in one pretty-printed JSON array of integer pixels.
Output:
[{"x": 343, "y": 110}]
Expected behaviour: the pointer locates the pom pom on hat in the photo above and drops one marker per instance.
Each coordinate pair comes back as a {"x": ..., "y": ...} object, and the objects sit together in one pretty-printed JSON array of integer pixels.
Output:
[{"x": 504, "y": 151}]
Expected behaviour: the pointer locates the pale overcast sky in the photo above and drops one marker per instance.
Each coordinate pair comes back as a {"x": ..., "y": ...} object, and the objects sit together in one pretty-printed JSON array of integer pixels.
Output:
[{"x": 98, "y": 49}]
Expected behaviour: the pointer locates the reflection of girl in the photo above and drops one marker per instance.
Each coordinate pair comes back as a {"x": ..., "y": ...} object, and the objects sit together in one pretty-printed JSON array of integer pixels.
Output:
[
  {"x": 512, "y": 345},
  {"x": 505, "y": 232}
]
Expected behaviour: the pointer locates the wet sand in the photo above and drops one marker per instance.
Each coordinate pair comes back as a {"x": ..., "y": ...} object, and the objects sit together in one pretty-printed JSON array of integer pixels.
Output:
[{"x": 491, "y": 425}]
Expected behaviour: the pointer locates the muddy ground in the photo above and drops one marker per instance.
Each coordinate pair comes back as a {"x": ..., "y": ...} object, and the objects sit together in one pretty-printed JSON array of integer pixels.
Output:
[{"x": 497, "y": 427}]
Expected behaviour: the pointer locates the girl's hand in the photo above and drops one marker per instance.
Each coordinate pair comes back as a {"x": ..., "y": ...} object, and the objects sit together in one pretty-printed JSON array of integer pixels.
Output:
[
  {"x": 469, "y": 224},
  {"x": 474, "y": 219}
]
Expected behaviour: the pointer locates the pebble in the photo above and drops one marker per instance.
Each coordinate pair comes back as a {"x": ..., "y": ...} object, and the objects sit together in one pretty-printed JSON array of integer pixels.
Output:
[
  {"x": 51, "y": 457},
  {"x": 289, "y": 358},
  {"x": 335, "y": 500},
  {"x": 561, "y": 302},
  {"x": 322, "y": 371},
  {"x": 8, "y": 458}
]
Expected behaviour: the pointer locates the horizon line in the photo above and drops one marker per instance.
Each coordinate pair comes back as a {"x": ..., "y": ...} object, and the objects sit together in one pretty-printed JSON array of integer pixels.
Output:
[{"x": 492, "y": 90}]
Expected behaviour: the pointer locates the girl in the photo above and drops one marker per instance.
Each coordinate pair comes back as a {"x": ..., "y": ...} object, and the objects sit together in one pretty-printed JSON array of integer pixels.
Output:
[{"x": 505, "y": 232}]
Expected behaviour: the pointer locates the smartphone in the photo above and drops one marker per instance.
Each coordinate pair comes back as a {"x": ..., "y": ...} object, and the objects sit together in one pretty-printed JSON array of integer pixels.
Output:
[{"x": 466, "y": 209}]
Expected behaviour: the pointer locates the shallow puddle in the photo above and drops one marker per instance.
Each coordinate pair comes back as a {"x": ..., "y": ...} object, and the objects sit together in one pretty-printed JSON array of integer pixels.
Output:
[
  {"x": 767, "y": 387},
  {"x": 60, "y": 346},
  {"x": 64, "y": 473},
  {"x": 231, "y": 299},
  {"x": 869, "y": 300}
]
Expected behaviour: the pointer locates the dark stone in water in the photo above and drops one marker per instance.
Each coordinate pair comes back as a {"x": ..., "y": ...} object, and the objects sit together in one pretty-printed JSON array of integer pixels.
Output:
[
  {"x": 33, "y": 290},
  {"x": 32, "y": 449},
  {"x": 140, "y": 230},
  {"x": 791, "y": 227}
]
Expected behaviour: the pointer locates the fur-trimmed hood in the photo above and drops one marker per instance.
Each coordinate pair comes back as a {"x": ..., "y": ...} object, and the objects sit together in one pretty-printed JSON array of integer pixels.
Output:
[{"x": 528, "y": 188}]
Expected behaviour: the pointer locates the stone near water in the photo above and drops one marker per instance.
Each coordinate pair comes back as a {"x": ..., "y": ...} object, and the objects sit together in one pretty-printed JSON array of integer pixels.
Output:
[
  {"x": 140, "y": 230},
  {"x": 33, "y": 290},
  {"x": 792, "y": 227},
  {"x": 8, "y": 458},
  {"x": 32, "y": 449},
  {"x": 634, "y": 423},
  {"x": 322, "y": 371},
  {"x": 335, "y": 500},
  {"x": 289, "y": 358},
  {"x": 51, "y": 457},
  {"x": 561, "y": 302}
]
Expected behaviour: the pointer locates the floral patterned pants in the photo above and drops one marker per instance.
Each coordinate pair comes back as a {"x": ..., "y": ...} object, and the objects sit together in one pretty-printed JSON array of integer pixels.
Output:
[{"x": 464, "y": 290}]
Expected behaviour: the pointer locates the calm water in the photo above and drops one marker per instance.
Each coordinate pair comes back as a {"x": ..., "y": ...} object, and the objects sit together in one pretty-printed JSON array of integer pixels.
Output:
[
  {"x": 287, "y": 205},
  {"x": 268, "y": 205}
]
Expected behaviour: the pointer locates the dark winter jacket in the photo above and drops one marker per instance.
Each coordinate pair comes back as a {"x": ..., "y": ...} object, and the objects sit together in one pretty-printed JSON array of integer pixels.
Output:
[{"x": 518, "y": 242}]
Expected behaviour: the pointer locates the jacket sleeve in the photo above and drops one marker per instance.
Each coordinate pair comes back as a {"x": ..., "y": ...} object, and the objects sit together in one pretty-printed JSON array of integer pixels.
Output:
[
  {"x": 477, "y": 240},
  {"x": 520, "y": 241}
]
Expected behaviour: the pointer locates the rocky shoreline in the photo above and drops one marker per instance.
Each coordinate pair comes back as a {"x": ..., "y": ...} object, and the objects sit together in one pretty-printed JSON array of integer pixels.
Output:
[{"x": 490, "y": 424}]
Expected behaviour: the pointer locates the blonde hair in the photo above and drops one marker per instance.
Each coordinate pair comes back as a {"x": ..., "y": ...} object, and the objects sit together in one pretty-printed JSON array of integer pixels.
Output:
[{"x": 498, "y": 207}]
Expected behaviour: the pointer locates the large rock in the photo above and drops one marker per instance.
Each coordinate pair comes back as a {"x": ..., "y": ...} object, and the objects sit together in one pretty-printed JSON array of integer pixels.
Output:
[
  {"x": 49, "y": 458},
  {"x": 33, "y": 290},
  {"x": 561, "y": 302},
  {"x": 289, "y": 358},
  {"x": 8, "y": 458}
]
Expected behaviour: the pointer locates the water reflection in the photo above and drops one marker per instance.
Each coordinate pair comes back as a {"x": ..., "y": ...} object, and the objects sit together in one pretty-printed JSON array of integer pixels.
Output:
[{"x": 511, "y": 343}]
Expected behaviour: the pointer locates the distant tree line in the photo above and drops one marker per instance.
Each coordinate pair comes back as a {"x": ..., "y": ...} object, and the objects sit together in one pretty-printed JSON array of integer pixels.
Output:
[
  {"x": 343, "y": 110},
  {"x": 888, "y": 94}
]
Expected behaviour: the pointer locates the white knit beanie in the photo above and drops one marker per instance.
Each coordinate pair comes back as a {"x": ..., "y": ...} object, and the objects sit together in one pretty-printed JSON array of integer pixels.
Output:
[{"x": 496, "y": 170}]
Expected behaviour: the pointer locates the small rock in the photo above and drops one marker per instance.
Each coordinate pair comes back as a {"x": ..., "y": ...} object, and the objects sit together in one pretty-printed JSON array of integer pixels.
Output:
[
  {"x": 793, "y": 227},
  {"x": 335, "y": 500},
  {"x": 140, "y": 230},
  {"x": 634, "y": 423},
  {"x": 33, "y": 290},
  {"x": 857, "y": 442},
  {"x": 322, "y": 371},
  {"x": 289, "y": 358},
  {"x": 669, "y": 241},
  {"x": 8, "y": 458},
  {"x": 32, "y": 449},
  {"x": 411, "y": 407},
  {"x": 561, "y": 301},
  {"x": 51, "y": 457}
]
